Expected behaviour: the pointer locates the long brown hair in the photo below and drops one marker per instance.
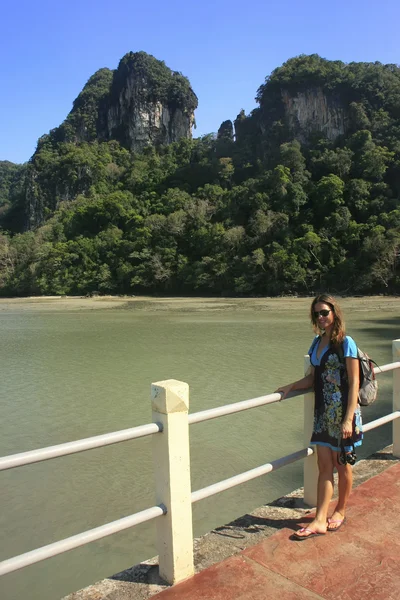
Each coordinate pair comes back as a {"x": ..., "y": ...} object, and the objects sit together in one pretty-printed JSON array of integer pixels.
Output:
[{"x": 338, "y": 329}]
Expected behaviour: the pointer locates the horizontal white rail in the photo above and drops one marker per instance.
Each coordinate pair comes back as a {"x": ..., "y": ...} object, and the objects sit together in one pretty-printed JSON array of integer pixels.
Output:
[
  {"x": 226, "y": 484},
  {"x": 229, "y": 409},
  {"x": 381, "y": 421},
  {"x": 97, "y": 441},
  {"x": 97, "y": 533},
  {"x": 221, "y": 486},
  {"x": 30, "y": 558},
  {"x": 389, "y": 367}
]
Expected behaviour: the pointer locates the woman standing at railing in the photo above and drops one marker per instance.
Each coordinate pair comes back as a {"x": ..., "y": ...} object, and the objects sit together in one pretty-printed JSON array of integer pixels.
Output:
[{"x": 334, "y": 375}]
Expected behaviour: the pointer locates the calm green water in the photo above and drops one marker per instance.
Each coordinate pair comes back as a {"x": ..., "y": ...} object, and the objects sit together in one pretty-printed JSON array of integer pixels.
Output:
[{"x": 69, "y": 375}]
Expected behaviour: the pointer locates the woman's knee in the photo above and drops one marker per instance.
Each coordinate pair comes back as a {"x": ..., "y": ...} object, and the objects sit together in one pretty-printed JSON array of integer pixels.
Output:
[
  {"x": 344, "y": 471},
  {"x": 336, "y": 463},
  {"x": 325, "y": 460}
]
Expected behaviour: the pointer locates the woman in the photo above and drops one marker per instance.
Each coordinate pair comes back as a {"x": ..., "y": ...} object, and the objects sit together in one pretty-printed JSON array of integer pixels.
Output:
[{"x": 334, "y": 375}]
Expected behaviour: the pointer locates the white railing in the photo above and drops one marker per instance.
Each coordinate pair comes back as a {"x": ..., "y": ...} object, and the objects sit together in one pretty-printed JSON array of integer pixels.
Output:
[{"x": 174, "y": 498}]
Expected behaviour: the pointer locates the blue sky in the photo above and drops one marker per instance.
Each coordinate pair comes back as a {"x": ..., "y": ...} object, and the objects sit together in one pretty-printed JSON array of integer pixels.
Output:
[{"x": 226, "y": 48}]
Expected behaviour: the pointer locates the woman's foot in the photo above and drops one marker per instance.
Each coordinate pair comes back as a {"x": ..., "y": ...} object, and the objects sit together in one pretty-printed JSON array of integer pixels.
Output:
[
  {"x": 336, "y": 521},
  {"x": 313, "y": 529}
]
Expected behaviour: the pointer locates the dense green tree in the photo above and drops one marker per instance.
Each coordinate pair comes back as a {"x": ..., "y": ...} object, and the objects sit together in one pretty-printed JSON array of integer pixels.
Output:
[
  {"x": 256, "y": 210},
  {"x": 10, "y": 175},
  {"x": 329, "y": 194}
]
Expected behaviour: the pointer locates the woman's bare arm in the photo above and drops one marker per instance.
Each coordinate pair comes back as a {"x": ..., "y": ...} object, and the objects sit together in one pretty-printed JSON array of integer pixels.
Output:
[{"x": 302, "y": 384}]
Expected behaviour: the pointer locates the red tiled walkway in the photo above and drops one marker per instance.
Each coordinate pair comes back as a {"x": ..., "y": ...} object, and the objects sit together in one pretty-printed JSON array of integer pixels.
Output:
[{"x": 359, "y": 562}]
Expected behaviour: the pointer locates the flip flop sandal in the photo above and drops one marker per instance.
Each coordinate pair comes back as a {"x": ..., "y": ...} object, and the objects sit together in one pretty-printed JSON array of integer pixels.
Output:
[
  {"x": 332, "y": 521},
  {"x": 311, "y": 534}
]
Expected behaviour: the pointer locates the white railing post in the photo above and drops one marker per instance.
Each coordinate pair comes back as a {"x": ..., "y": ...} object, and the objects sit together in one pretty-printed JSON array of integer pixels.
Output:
[
  {"x": 396, "y": 399},
  {"x": 310, "y": 468},
  {"x": 171, "y": 455}
]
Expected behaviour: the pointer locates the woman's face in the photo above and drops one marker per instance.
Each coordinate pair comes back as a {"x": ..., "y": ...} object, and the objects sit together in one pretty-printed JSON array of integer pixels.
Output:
[{"x": 323, "y": 315}]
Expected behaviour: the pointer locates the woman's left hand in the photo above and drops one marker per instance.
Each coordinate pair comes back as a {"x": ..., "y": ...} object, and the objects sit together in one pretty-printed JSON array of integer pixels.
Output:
[{"x": 347, "y": 429}]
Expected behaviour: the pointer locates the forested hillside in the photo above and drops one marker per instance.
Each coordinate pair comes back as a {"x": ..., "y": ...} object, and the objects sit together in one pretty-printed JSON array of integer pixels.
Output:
[{"x": 301, "y": 195}]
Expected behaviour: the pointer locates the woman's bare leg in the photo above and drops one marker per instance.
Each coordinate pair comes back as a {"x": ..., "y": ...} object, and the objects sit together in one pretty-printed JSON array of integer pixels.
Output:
[
  {"x": 345, "y": 484},
  {"x": 325, "y": 490}
]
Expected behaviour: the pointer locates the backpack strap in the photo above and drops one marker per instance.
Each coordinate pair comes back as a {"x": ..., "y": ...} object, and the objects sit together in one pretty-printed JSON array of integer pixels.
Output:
[
  {"x": 341, "y": 354},
  {"x": 314, "y": 343},
  {"x": 373, "y": 362},
  {"x": 342, "y": 359}
]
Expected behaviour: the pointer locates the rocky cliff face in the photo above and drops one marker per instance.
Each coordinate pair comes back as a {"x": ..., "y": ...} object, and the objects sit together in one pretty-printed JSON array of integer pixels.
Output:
[
  {"x": 312, "y": 110},
  {"x": 139, "y": 104},
  {"x": 148, "y": 105},
  {"x": 148, "y": 124},
  {"x": 287, "y": 114}
]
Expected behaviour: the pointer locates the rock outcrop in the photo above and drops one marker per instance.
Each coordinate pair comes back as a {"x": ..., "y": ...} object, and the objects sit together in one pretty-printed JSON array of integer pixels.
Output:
[
  {"x": 286, "y": 113},
  {"x": 313, "y": 110},
  {"x": 225, "y": 132},
  {"x": 139, "y": 104},
  {"x": 149, "y": 104},
  {"x": 142, "y": 103}
]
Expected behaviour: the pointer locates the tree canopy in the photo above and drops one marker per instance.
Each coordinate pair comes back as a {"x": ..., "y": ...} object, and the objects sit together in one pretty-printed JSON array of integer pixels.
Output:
[{"x": 258, "y": 213}]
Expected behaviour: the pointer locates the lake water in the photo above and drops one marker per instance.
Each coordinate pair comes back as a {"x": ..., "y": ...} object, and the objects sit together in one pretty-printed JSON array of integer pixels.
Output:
[{"x": 71, "y": 373}]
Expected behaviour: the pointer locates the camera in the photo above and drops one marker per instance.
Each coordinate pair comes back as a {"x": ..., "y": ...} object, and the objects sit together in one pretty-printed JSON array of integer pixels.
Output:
[{"x": 347, "y": 457}]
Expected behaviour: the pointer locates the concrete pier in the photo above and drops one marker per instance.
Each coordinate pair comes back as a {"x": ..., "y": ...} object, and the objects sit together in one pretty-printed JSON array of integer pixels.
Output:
[{"x": 254, "y": 558}]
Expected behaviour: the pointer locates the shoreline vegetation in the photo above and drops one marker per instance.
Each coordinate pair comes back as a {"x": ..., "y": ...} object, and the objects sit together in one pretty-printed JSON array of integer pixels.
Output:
[
  {"x": 284, "y": 200},
  {"x": 189, "y": 304}
]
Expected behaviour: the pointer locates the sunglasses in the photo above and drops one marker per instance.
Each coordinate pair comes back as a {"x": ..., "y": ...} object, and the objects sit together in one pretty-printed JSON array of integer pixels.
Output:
[{"x": 323, "y": 313}]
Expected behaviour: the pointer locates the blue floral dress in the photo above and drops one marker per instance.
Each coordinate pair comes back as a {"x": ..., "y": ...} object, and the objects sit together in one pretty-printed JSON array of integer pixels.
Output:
[{"x": 331, "y": 395}]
